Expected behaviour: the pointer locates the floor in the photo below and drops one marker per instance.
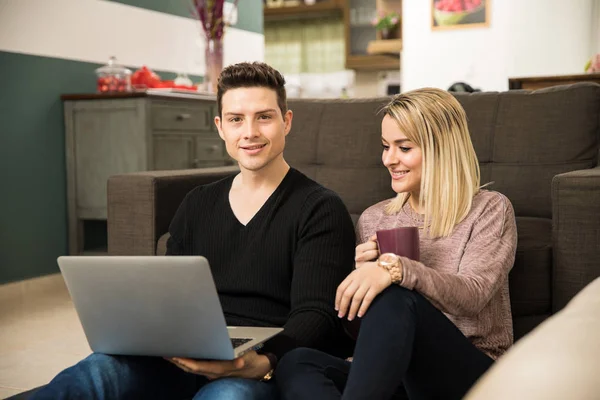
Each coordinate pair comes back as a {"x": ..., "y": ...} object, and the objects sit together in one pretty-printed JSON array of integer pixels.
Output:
[{"x": 40, "y": 334}]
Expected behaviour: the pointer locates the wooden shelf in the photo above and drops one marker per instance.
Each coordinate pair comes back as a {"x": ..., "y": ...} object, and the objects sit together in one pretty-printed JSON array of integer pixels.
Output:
[
  {"x": 389, "y": 46},
  {"x": 385, "y": 54},
  {"x": 375, "y": 62},
  {"x": 539, "y": 82},
  {"x": 319, "y": 9}
]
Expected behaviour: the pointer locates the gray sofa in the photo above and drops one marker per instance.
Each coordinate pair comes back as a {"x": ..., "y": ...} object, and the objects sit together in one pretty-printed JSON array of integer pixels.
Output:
[{"x": 540, "y": 149}]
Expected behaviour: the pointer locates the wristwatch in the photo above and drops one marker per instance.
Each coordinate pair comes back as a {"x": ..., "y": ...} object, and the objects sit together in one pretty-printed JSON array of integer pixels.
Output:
[
  {"x": 391, "y": 263},
  {"x": 268, "y": 376},
  {"x": 273, "y": 362}
]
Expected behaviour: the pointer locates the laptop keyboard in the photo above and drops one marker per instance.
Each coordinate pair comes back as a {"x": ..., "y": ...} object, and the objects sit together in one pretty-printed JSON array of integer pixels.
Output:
[{"x": 237, "y": 342}]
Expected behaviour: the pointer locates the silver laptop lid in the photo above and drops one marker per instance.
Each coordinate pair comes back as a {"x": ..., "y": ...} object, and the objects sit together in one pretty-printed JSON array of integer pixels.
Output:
[{"x": 148, "y": 305}]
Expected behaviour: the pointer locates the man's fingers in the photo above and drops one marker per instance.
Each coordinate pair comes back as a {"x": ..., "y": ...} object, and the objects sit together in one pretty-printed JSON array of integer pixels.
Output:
[
  {"x": 205, "y": 367},
  {"x": 172, "y": 361},
  {"x": 239, "y": 363},
  {"x": 356, "y": 301},
  {"x": 179, "y": 365}
]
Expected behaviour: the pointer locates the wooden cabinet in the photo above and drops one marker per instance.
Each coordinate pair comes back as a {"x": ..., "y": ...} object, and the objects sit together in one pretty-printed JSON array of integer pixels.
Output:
[
  {"x": 539, "y": 82},
  {"x": 362, "y": 37},
  {"x": 108, "y": 135}
]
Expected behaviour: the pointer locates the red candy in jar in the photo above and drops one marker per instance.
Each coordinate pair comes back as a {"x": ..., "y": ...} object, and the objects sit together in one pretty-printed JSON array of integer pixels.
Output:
[{"x": 113, "y": 78}]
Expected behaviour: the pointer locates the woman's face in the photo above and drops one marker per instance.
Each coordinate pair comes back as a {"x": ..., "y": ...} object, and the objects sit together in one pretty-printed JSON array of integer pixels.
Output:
[{"x": 401, "y": 157}]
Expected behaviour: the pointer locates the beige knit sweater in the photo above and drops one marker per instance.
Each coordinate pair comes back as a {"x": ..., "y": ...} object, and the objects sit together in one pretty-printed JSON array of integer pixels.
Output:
[{"x": 465, "y": 275}]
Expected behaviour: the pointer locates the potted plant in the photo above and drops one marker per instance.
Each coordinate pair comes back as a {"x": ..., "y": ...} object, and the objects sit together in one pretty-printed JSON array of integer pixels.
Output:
[
  {"x": 593, "y": 65},
  {"x": 386, "y": 24}
]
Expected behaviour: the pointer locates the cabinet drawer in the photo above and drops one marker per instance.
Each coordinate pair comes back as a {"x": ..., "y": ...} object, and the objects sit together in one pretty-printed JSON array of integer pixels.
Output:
[
  {"x": 209, "y": 149},
  {"x": 181, "y": 118},
  {"x": 173, "y": 152}
]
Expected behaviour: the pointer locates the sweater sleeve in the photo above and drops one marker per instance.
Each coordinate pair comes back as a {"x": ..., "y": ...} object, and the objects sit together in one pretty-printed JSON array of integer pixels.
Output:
[
  {"x": 487, "y": 259},
  {"x": 178, "y": 228},
  {"x": 324, "y": 256}
]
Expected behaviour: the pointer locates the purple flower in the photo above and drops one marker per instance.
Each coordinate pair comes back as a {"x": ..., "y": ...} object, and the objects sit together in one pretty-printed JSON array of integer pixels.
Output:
[{"x": 210, "y": 15}]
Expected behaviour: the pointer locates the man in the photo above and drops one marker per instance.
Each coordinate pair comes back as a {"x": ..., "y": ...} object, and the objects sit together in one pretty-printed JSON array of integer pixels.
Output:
[{"x": 278, "y": 243}]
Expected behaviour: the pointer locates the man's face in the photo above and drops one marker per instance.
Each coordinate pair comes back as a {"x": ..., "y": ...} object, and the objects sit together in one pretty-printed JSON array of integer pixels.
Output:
[{"x": 252, "y": 126}]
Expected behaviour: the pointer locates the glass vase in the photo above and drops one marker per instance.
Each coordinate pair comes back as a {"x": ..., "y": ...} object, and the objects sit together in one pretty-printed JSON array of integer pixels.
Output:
[{"x": 213, "y": 56}]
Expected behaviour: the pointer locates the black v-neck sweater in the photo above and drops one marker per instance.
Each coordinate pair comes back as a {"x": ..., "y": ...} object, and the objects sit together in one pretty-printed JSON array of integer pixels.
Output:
[{"x": 283, "y": 267}]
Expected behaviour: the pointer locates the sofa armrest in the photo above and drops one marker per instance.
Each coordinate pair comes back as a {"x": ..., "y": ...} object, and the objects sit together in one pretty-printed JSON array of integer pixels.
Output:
[
  {"x": 141, "y": 205},
  {"x": 575, "y": 233}
]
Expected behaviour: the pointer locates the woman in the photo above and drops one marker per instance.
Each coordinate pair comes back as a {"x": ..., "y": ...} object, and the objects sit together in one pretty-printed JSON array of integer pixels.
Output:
[{"x": 429, "y": 328}]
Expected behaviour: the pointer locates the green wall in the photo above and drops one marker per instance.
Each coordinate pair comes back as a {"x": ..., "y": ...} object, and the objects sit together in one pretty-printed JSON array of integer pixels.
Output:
[
  {"x": 33, "y": 204},
  {"x": 33, "y": 216}
]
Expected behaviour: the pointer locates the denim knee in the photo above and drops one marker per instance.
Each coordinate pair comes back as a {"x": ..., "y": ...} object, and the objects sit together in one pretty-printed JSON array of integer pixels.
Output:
[
  {"x": 237, "y": 389},
  {"x": 99, "y": 360},
  {"x": 86, "y": 379},
  {"x": 98, "y": 364}
]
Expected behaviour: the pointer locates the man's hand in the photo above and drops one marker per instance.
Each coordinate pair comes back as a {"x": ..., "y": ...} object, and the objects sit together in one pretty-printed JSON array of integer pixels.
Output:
[
  {"x": 367, "y": 251},
  {"x": 250, "y": 365},
  {"x": 359, "y": 289}
]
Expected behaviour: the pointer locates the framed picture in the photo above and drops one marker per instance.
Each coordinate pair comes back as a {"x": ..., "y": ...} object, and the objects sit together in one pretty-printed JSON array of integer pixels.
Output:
[{"x": 459, "y": 14}]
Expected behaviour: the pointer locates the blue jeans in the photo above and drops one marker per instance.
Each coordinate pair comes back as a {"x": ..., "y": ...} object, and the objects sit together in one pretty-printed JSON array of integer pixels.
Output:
[
  {"x": 406, "y": 348},
  {"x": 101, "y": 376}
]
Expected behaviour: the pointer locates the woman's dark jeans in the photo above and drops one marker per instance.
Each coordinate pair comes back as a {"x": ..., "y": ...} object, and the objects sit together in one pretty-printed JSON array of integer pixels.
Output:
[{"x": 406, "y": 346}]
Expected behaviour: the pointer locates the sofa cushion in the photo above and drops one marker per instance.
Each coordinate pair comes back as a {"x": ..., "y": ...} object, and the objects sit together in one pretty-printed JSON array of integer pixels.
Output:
[
  {"x": 531, "y": 277},
  {"x": 522, "y": 141},
  {"x": 324, "y": 145},
  {"x": 525, "y": 324}
]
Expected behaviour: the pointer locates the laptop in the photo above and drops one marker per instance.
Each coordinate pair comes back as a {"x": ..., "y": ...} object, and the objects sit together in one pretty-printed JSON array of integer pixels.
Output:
[{"x": 163, "y": 306}]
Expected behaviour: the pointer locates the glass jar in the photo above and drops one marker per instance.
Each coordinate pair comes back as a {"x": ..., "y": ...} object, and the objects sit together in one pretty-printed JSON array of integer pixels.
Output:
[{"x": 113, "y": 78}]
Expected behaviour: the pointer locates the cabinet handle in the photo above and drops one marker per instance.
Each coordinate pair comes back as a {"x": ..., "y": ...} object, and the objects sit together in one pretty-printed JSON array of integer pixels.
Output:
[
  {"x": 213, "y": 148},
  {"x": 182, "y": 117},
  {"x": 195, "y": 163}
]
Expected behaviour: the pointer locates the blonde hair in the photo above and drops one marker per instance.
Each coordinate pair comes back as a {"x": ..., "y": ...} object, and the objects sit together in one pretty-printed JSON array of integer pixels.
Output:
[{"x": 436, "y": 122}]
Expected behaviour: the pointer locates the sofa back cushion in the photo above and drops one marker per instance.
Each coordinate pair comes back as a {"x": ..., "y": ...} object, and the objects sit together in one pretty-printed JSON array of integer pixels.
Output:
[
  {"x": 337, "y": 143},
  {"x": 522, "y": 139}
]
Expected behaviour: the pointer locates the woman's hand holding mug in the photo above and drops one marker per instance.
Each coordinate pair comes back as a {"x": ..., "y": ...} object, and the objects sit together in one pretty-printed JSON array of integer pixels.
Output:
[{"x": 367, "y": 251}]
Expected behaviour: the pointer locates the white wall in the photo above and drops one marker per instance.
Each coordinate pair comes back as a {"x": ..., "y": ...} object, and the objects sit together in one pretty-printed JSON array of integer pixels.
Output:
[
  {"x": 136, "y": 36},
  {"x": 525, "y": 38},
  {"x": 596, "y": 27}
]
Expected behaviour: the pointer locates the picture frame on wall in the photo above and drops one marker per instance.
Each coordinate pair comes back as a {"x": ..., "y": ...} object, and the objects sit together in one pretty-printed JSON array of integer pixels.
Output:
[{"x": 460, "y": 14}]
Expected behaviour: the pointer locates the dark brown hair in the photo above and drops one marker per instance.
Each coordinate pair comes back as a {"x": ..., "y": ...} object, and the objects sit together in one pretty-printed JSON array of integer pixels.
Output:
[{"x": 256, "y": 74}]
